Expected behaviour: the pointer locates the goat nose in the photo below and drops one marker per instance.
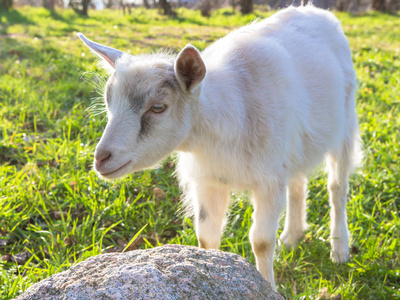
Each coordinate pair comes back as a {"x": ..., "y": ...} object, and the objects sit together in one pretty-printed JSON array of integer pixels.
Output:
[{"x": 101, "y": 157}]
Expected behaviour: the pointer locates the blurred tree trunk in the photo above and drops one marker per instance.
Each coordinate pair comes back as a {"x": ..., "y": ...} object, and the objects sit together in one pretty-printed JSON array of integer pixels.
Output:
[
  {"x": 166, "y": 6},
  {"x": 125, "y": 6},
  {"x": 85, "y": 6},
  {"x": 109, "y": 3},
  {"x": 80, "y": 8},
  {"x": 49, "y": 4},
  {"x": 246, "y": 6},
  {"x": 379, "y": 5},
  {"x": 6, "y": 4},
  {"x": 146, "y": 3},
  {"x": 233, "y": 4},
  {"x": 393, "y": 5},
  {"x": 341, "y": 5},
  {"x": 205, "y": 8}
]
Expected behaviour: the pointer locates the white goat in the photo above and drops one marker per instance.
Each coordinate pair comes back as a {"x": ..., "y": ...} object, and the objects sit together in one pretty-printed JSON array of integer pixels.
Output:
[{"x": 257, "y": 110}]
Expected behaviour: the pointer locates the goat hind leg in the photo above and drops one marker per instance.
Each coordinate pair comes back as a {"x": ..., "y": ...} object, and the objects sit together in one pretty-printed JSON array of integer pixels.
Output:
[
  {"x": 339, "y": 165},
  {"x": 210, "y": 208},
  {"x": 295, "y": 222}
]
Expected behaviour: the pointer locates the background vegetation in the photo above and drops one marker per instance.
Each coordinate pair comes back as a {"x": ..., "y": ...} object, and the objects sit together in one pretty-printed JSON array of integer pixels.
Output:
[{"x": 54, "y": 211}]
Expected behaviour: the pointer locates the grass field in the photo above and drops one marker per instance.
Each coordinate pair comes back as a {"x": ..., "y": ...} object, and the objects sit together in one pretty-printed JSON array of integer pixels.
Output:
[{"x": 54, "y": 211}]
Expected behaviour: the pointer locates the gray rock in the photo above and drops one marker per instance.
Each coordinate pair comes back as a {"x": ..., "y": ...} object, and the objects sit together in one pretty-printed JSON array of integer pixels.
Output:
[{"x": 168, "y": 272}]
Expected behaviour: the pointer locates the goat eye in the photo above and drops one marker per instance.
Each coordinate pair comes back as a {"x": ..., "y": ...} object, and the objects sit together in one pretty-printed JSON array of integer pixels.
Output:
[{"x": 158, "y": 108}]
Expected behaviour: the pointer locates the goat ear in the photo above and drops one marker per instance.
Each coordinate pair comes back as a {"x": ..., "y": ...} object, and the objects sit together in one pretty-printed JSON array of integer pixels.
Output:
[
  {"x": 189, "y": 68},
  {"x": 110, "y": 55}
]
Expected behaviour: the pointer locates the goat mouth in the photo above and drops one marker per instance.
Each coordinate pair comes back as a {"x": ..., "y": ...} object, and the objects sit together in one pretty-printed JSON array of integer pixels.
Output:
[{"x": 115, "y": 170}]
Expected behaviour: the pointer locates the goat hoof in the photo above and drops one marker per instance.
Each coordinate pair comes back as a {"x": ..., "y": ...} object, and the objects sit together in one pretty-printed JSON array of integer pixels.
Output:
[
  {"x": 289, "y": 239},
  {"x": 340, "y": 254}
]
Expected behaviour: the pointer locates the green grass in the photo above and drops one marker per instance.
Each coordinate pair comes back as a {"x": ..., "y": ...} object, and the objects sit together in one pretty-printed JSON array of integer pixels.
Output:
[{"x": 54, "y": 211}]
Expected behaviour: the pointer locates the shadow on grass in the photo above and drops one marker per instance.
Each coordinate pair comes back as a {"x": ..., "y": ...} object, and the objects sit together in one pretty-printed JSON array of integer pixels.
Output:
[
  {"x": 11, "y": 155},
  {"x": 143, "y": 19},
  {"x": 56, "y": 16},
  {"x": 12, "y": 47},
  {"x": 11, "y": 18},
  {"x": 374, "y": 14},
  {"x": 190, "y": 20},
  {"x": 70, "y": 19},
  {"x": 15, "y": 17}
]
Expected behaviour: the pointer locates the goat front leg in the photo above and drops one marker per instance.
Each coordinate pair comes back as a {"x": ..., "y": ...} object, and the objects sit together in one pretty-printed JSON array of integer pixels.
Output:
[
  {"x": 268, "y": 205},
  {"x": 210, "y": 204}
]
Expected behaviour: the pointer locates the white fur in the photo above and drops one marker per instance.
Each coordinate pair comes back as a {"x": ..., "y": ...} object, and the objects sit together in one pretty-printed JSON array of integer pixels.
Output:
[{"x": 277, "y": 99}]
